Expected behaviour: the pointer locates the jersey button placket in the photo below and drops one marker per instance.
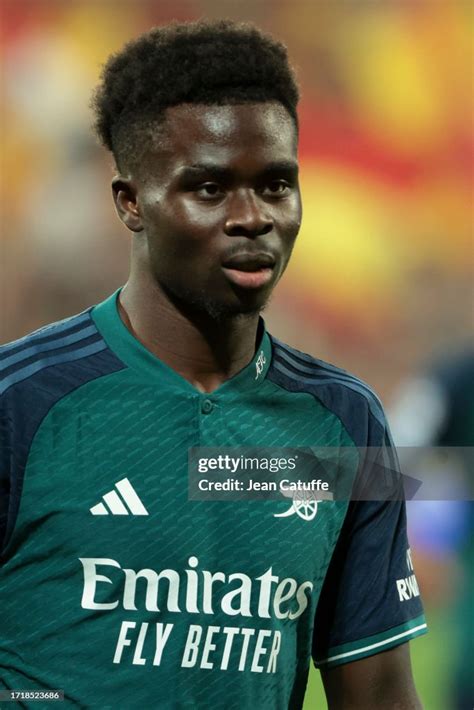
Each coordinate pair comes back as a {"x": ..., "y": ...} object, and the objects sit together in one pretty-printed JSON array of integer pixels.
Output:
[{"x": 207, "y": 406}]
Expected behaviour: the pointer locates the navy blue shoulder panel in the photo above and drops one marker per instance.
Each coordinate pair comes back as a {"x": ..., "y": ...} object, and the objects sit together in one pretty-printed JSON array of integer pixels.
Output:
[
  {"x": 35, "y": 373},
  {"x": 372, "y": 543},
  {"x": 346, "y": 396}
]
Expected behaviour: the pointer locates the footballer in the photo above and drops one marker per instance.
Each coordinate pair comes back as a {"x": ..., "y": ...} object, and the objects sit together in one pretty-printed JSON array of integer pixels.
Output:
[{"x": 115, "y": 588}]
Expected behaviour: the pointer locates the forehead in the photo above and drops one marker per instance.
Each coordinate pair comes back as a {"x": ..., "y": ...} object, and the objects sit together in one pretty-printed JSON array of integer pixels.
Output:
[{"x": 196, "y": 131}]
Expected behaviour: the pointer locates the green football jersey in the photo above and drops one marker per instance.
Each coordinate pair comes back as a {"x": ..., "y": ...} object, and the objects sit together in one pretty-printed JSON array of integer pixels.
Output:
[{"x": 120, "y": 591}]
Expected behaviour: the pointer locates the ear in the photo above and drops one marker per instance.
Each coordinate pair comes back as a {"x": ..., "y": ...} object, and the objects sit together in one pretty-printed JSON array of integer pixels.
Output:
[{"x": 125, "y": 198}]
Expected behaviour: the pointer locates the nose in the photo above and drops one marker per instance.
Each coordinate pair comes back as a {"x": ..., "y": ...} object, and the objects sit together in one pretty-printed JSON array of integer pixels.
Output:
[{"x": 247, "y": 215}]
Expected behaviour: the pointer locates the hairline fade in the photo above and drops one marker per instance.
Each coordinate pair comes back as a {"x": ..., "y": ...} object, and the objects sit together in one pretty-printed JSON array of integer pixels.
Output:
[{"x": 205, "y": 62}]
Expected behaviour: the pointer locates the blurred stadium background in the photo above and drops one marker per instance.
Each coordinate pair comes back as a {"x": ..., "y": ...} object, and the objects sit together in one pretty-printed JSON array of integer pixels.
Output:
[{"x": 381, "y": 278}]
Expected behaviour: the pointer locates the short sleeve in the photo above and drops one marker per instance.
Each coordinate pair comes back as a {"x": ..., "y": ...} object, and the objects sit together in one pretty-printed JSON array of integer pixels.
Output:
[
  {"x": 370, "y": 600},
  {"x": 4, "y": 474}
]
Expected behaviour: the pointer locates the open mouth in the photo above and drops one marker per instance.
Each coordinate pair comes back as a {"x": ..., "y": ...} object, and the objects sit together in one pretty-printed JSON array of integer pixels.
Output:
[{"x": 249, "y": 270}]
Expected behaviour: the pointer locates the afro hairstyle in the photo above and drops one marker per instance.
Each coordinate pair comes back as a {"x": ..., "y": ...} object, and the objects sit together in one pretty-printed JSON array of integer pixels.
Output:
[{"x": 219, "y": 62}]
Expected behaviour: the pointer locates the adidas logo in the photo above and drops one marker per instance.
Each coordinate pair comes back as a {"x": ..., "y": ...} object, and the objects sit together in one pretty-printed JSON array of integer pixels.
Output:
[{"x": 114, "y": 502}]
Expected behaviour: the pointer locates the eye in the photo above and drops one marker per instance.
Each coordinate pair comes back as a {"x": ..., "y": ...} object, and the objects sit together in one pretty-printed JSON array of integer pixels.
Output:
[
  {"x": 209, "y": 190},
  {"x": 277, "y": 188}
]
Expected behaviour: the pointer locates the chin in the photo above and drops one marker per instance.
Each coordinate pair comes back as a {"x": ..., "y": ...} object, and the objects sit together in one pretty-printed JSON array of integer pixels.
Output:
[
  {"x": 203, "y": 303},
  {"x": 222, "y": 311}
]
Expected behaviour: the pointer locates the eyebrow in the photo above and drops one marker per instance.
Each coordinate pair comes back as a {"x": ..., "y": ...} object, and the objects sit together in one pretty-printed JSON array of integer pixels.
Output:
[{"x": 288, "y": 167}]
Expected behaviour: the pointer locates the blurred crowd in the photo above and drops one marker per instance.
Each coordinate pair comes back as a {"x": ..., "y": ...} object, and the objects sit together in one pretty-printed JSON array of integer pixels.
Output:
[{"x": 381, "y": 278}]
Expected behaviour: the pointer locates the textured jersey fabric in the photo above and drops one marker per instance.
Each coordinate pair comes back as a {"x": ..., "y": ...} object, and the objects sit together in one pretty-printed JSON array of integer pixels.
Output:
[{"x": 118, "y": 590}]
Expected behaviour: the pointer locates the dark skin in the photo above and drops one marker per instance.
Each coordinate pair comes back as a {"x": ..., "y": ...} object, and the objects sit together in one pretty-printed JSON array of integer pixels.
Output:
[
  {"x": 189, "y": 221},
  {"x": 380, "y": 682},
  {"x": 221, "y": 183}
]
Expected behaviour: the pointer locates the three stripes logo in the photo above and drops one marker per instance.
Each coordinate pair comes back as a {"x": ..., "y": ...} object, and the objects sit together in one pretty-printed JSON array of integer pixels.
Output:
[{"x": 122, "y": 500}]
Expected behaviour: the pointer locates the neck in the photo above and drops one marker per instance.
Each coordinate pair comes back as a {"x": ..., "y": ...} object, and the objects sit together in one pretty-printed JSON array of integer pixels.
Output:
[{"x": 203, "y": 350}]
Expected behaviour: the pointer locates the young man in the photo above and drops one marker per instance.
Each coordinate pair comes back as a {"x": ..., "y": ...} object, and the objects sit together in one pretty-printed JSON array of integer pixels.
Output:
[{"x": 114, "y": 587}]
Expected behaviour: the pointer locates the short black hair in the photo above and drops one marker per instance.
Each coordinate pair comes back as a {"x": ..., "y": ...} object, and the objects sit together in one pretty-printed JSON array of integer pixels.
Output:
[{"x": 204, "y": 62}]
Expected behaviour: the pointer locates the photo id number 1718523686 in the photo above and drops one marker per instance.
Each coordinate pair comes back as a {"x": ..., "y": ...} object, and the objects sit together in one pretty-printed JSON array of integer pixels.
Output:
[{"x": 18, "y": 696}]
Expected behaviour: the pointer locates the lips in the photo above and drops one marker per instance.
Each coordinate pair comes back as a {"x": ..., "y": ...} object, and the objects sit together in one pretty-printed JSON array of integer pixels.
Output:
[
  {"x": 250, "y": 262},
  {"x": 249, "y": 270}
]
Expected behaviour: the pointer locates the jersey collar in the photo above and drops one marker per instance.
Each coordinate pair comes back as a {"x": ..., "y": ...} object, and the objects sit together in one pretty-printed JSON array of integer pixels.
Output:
[{"x": 135, "y": 355}]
